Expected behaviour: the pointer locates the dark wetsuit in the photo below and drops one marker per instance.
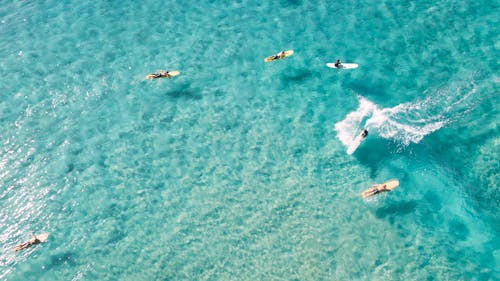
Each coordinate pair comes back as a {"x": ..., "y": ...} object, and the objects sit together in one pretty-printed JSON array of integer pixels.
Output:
[{"x": 364, "y": 133}]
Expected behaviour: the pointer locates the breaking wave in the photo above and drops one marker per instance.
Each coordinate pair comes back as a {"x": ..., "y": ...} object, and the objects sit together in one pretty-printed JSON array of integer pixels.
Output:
[{"x": 405, "y": 123}]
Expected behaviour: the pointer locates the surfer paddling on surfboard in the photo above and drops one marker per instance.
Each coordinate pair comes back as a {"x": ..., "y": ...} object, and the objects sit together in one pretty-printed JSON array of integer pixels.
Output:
[
  {"x": 376, "y": 189},
  {"x": 33, "y": 241},
  {"x": 379, "y": 188},
  {"x": 162, "y": 74},
  {"x": 338, "y": 64},
  {"x": 278, "y": 56}
]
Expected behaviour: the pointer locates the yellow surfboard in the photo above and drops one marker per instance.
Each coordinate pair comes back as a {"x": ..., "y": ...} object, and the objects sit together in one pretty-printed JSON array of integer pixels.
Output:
[
  {"x": 163, "y": 74},
  {"x": 280, "y": 55},
  {"x": 379, "y": 188}
]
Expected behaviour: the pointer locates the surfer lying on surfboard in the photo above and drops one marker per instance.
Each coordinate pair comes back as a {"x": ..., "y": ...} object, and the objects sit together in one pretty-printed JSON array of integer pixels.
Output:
[
  {"x": 379, "y": 188},
  {"x": 162, "y": 74},
  {"x": 33, "y": 241},
  {"x": 278, "y": 56},
  {"x": 376, "y": 190}
]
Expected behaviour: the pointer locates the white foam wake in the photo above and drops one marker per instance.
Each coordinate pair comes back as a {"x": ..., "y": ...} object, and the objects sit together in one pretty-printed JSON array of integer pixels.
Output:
[
  {"x": 348, "y": 129},
  {"x": 406, "y": 123}
]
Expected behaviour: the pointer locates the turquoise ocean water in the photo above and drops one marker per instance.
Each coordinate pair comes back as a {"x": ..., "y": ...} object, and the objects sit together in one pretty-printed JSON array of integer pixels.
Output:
[{"x": 237, "y": 169}]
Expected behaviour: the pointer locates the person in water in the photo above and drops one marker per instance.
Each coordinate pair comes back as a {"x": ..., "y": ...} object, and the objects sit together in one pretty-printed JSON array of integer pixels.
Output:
[
  {"x": 164, "y": 74},
  {"x": 376, "y": 190},
  {"x": 364, "y": 133},
  {"x": 27, "y": 244},
  {"x": 279, "y": 55},
  {"x": 161, "y": 74},
  {"x": 338, "y": 64}
]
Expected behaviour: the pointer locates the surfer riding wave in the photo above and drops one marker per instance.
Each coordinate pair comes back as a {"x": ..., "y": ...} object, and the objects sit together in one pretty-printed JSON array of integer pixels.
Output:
[
  {"x": 405, "y": 123},
  {"x": 408, "y": 122}
]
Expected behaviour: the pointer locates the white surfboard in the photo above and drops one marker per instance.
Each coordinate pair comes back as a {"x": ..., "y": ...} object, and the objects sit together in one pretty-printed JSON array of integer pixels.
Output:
[
  {"x": 355, "y": 143},
  {"x": 343, "y": 65}
]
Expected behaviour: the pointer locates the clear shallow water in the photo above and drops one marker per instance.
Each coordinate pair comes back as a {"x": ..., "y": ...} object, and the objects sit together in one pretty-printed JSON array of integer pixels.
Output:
[{"x": 237, "y": 169}]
